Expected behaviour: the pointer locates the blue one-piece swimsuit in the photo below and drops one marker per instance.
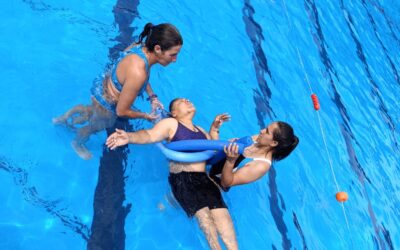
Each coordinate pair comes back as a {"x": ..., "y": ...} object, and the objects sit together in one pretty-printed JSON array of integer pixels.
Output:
[{"x": 98, "y": 91}]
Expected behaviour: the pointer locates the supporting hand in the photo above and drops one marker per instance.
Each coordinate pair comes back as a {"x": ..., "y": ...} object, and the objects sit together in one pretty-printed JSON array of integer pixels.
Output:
[
  {"x": 232, "y": 152},
  {"x": 152, "y": 116},
  {"x": 155, "y": 103},
  {"x": 117, "y": 139}
]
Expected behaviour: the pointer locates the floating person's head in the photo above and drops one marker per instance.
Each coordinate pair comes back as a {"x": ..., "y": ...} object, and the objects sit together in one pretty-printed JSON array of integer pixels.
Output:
[{"x": 181, "y": 107}]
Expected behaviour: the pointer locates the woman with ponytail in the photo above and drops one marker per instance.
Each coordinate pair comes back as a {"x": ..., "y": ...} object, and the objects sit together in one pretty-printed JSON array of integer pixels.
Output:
[
  {"x": 274, "y": 143},
  {"x": 116, "y": 93}
]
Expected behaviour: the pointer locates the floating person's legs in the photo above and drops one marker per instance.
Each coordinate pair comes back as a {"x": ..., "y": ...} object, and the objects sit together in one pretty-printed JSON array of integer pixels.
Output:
[
  {"x": 207, "y": 225},
  {"x": 224, "y": 224},
  {"x": 199, "y": 196},
  {"x": 214, "y": 222}
]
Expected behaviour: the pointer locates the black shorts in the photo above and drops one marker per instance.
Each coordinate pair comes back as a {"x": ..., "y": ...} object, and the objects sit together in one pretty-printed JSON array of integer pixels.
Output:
[{"x": 194, "y": 191}]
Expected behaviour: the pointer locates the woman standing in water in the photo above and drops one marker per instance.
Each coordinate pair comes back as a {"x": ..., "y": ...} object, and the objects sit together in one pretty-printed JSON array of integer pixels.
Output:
[{"x": 128, "y": 78}]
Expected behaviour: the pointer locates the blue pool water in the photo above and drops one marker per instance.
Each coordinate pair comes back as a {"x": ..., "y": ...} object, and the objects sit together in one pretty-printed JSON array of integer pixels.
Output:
[{"x": 257, "y": 60}]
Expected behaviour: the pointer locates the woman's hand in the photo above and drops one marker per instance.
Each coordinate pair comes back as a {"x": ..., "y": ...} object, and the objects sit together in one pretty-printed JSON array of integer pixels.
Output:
[
  {"x": 232, "y": 152},
  {"x": 117, "y": 139},
  {"x": 155, "y": 103},
  {"x": 218, "y": 120},
  {"x": 151, "y": 117}
]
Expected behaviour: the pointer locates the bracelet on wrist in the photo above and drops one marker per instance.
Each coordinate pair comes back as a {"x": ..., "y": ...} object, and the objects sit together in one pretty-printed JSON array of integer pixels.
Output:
[
  {"x": 129, "y": 138},
  {"x": 231, "y": 160},
  {"x": 215, "y": 130}
]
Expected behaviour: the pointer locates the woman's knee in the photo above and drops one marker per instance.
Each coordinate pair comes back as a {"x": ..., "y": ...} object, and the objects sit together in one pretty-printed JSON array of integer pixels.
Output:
[
  {"x": 204, "y": 217},
  {"x": 83, "y": 134}
]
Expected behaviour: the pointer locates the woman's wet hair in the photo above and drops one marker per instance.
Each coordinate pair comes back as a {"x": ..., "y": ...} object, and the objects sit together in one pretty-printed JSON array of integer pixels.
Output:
[
  {"x": 287, "y": 141},
  {"x": 165, "y": 35},
  {"x": 171, "y": 104}
]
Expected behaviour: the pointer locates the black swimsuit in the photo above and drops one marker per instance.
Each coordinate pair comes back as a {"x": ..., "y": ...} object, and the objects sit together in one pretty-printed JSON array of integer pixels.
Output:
[{"x": 194, "y": 190}]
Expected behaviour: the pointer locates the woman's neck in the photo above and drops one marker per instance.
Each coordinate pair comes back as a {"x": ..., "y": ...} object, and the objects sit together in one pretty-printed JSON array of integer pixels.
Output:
[
  {"x": 256, "y": 150},
  {"x": 187, "y": 122},
  {"x": 150, "y": 56}
]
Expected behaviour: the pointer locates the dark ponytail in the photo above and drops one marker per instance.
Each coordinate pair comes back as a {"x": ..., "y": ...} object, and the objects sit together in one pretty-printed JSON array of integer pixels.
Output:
[
  {"x": 145, "y": 32},
  {"x": 165, "y": 35},
  {"x": 286, "y": 139}
]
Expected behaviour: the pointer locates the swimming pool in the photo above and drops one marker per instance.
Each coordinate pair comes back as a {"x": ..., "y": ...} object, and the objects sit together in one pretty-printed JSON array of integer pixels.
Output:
[{"x": 256, "y": 60}]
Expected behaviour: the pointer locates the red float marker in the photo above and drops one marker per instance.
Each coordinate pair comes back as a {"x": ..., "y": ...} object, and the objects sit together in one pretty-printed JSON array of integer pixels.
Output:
[{"x": 315, "y": 101}]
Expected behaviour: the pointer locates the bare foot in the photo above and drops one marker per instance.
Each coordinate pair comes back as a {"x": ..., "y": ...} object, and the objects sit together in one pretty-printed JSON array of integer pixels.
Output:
[{"x": 81, "y": 150}]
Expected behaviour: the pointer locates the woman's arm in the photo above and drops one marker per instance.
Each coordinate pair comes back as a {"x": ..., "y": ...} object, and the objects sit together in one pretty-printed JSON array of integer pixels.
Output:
[
  {"x": 149, "y": 90},
  {"x": 216, "y": 124},
  {"x": 153, "y": 98},
  {"x": 161, "y": 131},
  {"x": 250, "y": 172},
  {"x": 135, "y": 78}
]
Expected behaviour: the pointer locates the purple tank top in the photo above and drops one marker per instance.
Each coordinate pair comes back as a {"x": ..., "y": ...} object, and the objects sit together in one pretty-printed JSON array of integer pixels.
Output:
[{"x": 183, "y": 133}]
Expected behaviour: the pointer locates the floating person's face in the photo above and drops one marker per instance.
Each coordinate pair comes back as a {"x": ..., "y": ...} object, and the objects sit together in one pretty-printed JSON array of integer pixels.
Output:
[{"x": 182, "y": 106}]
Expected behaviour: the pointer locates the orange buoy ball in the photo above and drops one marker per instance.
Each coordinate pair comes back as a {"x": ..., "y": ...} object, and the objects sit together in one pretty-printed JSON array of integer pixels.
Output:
[{"x": 342, "y": 196}]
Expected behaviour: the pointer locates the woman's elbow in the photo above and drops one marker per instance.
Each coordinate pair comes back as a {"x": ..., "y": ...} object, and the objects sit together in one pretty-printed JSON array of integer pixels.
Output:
[
  {"x": 225, "y": 184},
  {"x": 121, "y": 112}
]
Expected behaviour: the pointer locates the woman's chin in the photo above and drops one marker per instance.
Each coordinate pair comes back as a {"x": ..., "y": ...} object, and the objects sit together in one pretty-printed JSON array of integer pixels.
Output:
[{"x": 191, "y": 111}]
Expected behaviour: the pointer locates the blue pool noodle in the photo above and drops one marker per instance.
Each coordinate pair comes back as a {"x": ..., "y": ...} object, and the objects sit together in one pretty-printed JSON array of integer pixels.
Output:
[{"x": 202, "y": 150}]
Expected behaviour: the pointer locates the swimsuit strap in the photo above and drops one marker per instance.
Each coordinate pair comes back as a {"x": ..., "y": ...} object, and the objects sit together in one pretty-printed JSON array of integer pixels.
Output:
[
  {"x": 134, "y": 50},
  {"x": 262, "y": 159},
  {"x": 138, "y": 51}
]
